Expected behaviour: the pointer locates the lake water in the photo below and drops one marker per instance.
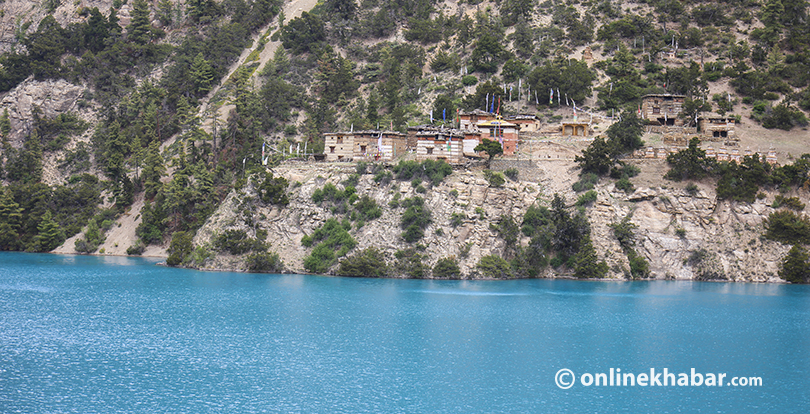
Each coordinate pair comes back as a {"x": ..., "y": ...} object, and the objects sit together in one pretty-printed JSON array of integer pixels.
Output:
[{"x": 97, "y": 334}]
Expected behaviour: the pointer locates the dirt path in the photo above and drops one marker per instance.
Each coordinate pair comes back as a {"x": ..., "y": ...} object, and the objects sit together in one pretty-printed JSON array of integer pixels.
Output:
[
  {"x": 122, "y": 234},
  {"x": 292, "y": 10}
]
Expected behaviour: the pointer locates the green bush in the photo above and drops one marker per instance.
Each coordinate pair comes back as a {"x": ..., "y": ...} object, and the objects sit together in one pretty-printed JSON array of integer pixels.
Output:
[
  {"x": 435, "y": 171},
  {"x": 495, "y": 179},
  {"x": 625, "y": 185},
  {"x": 273, "y": 190},
  {"x": 447, "y": 268},
  {"x": 179, "y": 248},
  {"x": 367, "y": 209},
  {"x": 792, "y": 203},
  {"x": 415, "y": 219},
  {"x": 691, "y": 189},
  {"x": 494, "y": 267},
  {"x": 639, "y": 267},
  {"x": 264, "y": 262},
  {"x": 136, "y": 249},
  {"x": 411, "y": 263},
  {"x": 457, "y": 218},
  {"x": 586, "y": 263},
  {"x": 787, "y": 227},
  {"x": 469, "y": 80},
  {"x": 369, "y": 262},
  {"x": 586, "y": 199},
  {"x": 333, "y": 242},
  {"x": 586, "y": 182},
  {"x": 795, "y": 267},
  {"x": 237, "y": 242},
  {"x": 512, "y": 173}
]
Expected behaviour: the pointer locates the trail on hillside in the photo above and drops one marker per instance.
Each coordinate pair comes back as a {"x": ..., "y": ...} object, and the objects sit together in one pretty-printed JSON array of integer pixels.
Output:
[{"x": 123, "y": 234}]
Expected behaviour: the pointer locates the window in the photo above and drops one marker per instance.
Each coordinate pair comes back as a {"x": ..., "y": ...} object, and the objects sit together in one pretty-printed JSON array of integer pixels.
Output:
[
  {"x": 340, "y": 140},
  {"x": 363, "y": 149},
  {"x": 331, "y": 150},
  {"x": 656, "y": 110},
  {"x": 429, "y": 151}
]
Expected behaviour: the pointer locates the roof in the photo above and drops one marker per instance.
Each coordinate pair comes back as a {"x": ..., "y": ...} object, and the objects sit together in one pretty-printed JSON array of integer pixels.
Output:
[
  {"x": 662, "y": 95},
  {"x": 496, "y": 123}
]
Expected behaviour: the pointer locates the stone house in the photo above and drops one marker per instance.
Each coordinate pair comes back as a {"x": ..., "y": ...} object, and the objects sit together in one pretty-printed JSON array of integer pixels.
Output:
[
  {"x": 439, "y": 143},
  {"x": 469, "y": 120},
  {"x": 717, "y": 127},
  {"x": 663, "y": 108},
  {"x": 527, "y": 123},
  {"x": 368, "y": 145}
]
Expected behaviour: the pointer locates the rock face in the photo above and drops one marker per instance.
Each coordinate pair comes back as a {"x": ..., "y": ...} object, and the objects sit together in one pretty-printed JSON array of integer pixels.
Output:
[
  {"x": 682, "y": 236},
  {"x": 52, "y": 97}
]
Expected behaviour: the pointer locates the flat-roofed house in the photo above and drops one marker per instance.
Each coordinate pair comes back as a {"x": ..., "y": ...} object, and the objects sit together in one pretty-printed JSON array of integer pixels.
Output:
[
  {"x": 438, "y": 143},
  {"x": 527, "y": 123},
  {"x": 664, "y": 108},
  {"x": 469, "y": 120},
  {"x": 338, "y": 146},
  {"x": 506, "y": 133},
  {"x": 373, "y": 145},
  {"x": 717, "y": 126}
]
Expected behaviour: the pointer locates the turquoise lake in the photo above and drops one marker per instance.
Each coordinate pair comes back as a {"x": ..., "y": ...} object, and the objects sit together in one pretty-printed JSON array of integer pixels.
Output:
[{"x": 109, "y": 334}]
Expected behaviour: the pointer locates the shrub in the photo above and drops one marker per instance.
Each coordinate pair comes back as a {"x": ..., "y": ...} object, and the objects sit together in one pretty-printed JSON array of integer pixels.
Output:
[
  {"x": 136, "y": 249},
  {"x": 179, "y": 248},
  {"x": 415, "y": 219},
  {"x": 435, "y": 171},
  {"x": 795, "y": 267},
  {"x": 265, "y": 262},
  {"x": 273, "y": 190},
  {"x": 792, "y": 203},
  {"x": 680, "y": 232},
  {"x": 586, "y": 199},
  {"x": 469, "y": 80},
  {"x": 367, "y": 209},
  {"x": 456, "y": 219},
  {"x": 237, "y": 242},
  {"x": 412, "y": 263},
  {"x": 369, "y": 262},
  {"x": 333, "y": 242},
  {"x": 512, "y": 173},
  {"x": 586, "y": 182},
  {"x": 383, "y": 177},
  {"x": 639, "y": 267},
  {"x": 586, "y": 264},
  {"x": 494, "y": 267},
  {"x": 447, "y": 268},
  {"x": 787, "y": 227},
  {"x": 625, "y": 185},
  {"x": 692, "y": 189},
  {"x": 495, "y": 179}
]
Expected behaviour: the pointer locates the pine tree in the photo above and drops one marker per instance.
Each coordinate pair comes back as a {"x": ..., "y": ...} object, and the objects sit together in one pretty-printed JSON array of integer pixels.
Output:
[
  {"x": 795, "y": 267},
  {"x": 153, "y": 170},
  {"x": 587, "y": 263},
  {"x": 202, "y": 73},
  {"x": 49, "y": 234},
  {"x": 140, "y": 29},
  {"x": 10, "y": 218}
]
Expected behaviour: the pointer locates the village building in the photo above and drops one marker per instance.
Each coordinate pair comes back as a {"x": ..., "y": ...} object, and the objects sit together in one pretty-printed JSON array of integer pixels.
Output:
[
  {"x": 663, "y": 108},
  {"x": 527, "y": 123},
  {"x": 575, "y": 129},
  {"x": 371, "y": 145},
  {"x": 717, "y": 127},
  {"x": 506, "y": 133},
  {"x": 439, "y": 143},
  {"x": 338, "y": 146},
  {"x": 469, "y": 120}
]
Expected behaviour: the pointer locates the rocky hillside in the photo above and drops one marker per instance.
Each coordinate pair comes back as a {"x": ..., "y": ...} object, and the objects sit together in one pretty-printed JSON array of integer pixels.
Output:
[
  {"x": 127, "y": 124},
  {"x": 684, "y": 236}
]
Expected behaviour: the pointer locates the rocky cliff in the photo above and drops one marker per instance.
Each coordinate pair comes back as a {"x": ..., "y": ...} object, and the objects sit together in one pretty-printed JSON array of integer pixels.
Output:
[{"x": 683, "y": 236}]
